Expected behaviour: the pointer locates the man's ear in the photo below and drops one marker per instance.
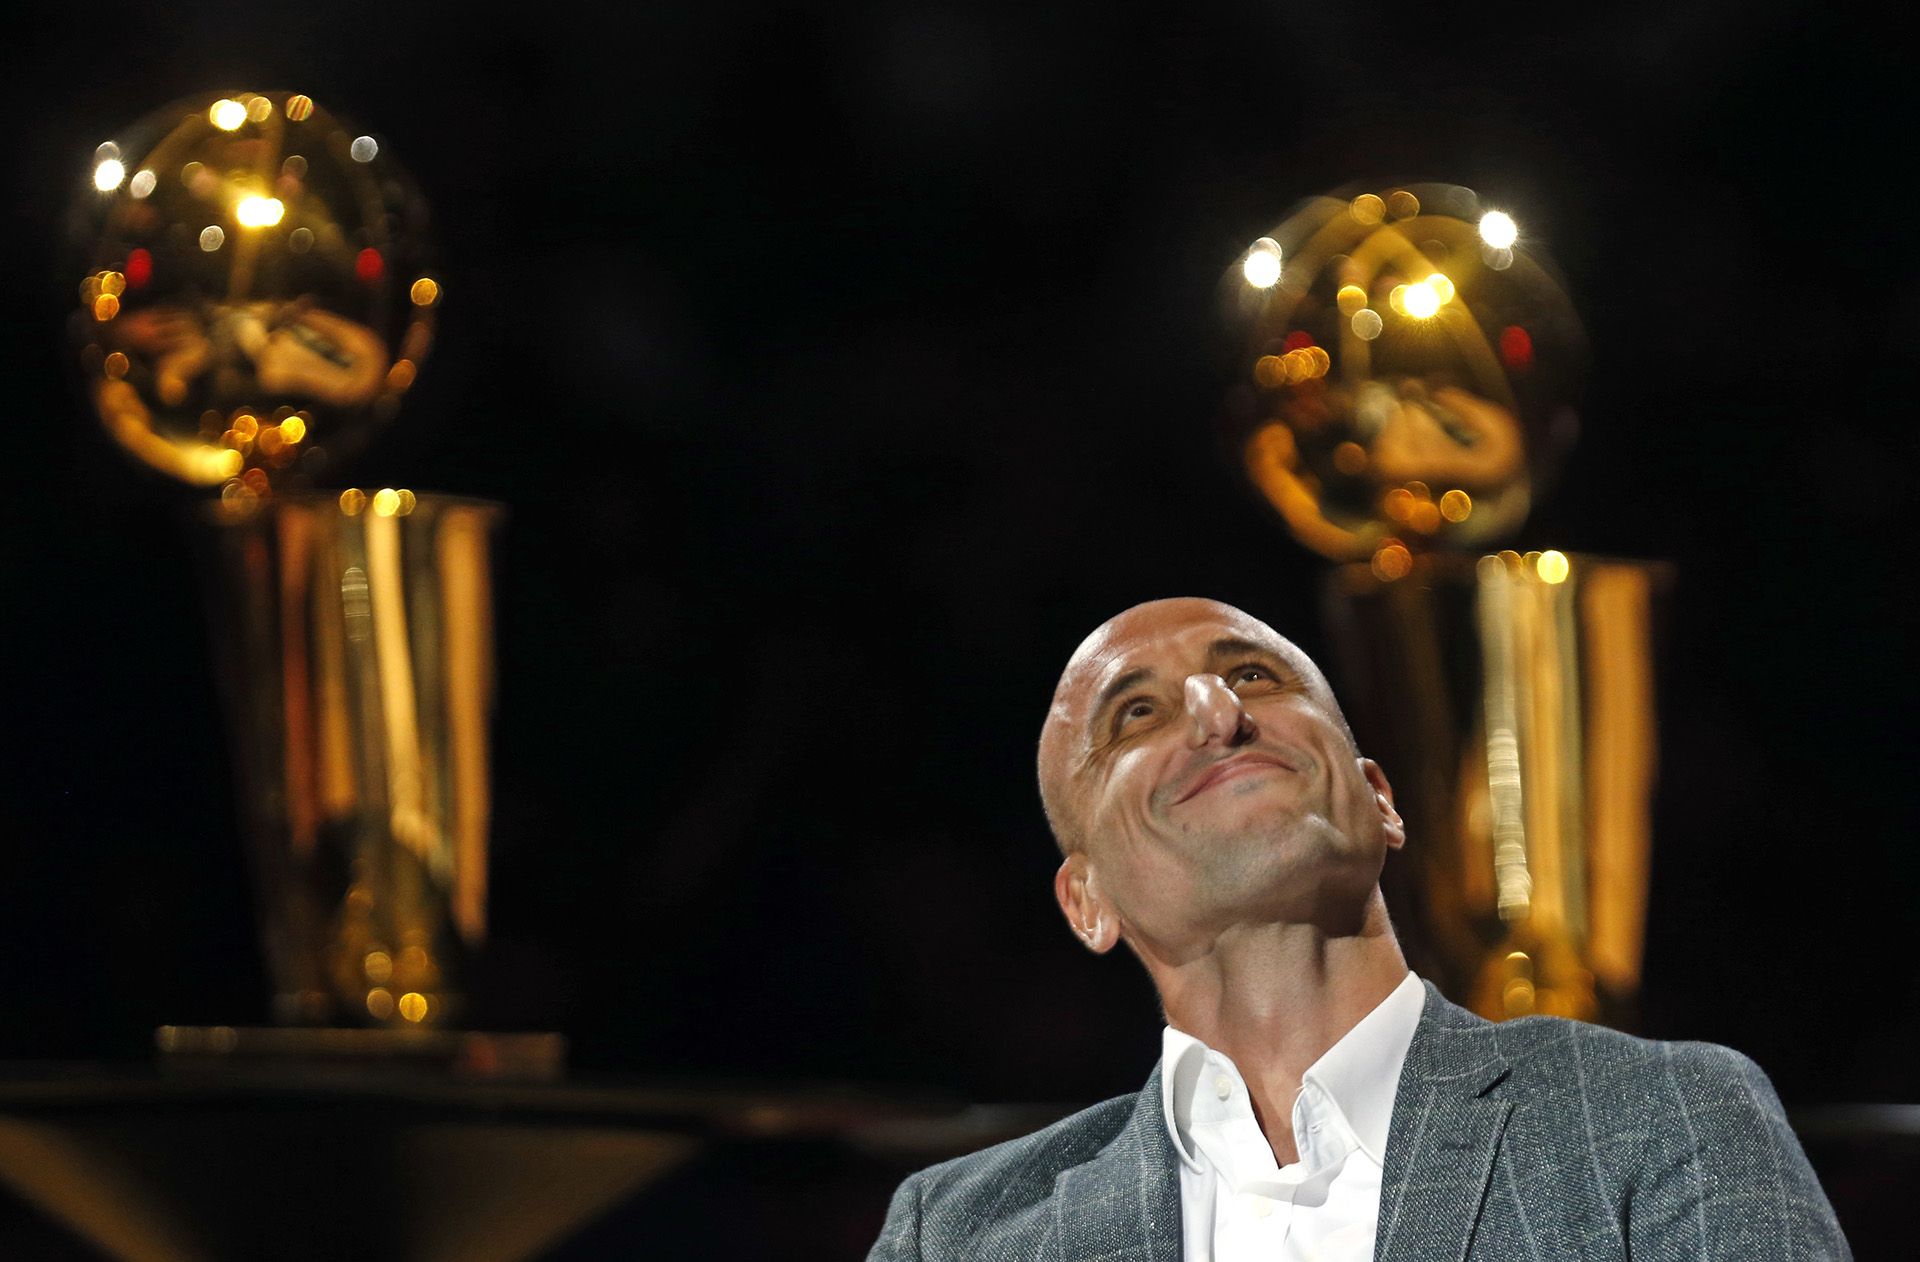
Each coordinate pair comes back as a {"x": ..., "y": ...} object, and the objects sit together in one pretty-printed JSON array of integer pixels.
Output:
[
  {"x": 1092, "y": 919},
  {"x": 1395, "y": 827}
]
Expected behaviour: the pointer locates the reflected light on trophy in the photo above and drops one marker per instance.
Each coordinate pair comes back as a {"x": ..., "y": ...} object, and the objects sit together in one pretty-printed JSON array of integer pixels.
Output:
[
  {"x": 257, "y": 300},
  {"x": 1405, "y": 393}
]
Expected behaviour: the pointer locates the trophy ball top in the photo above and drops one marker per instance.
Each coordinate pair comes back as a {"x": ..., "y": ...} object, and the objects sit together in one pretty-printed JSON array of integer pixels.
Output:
[
  {"x": 258, "y": 290},
  {"x": 1409, "y": 366}
]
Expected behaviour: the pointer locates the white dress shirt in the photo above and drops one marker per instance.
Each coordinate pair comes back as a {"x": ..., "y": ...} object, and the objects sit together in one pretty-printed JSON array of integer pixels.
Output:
[{"x": 1236, "y": 1201}]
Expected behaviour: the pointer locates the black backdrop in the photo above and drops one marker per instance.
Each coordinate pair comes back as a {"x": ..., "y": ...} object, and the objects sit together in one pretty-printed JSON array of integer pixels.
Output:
[{"x": 842, "y": 368}]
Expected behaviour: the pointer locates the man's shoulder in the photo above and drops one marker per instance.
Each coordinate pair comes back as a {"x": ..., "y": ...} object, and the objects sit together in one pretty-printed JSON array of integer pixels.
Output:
[
  {"x": 1545, "y": 1046},
  {"x": 1613, "y": 1071},
  {"x": 999, "y": 1181}
]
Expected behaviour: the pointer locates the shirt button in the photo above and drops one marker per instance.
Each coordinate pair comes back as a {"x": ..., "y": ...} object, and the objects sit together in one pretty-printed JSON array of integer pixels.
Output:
[
  {"x": 1262, "y": 1207},
  {"x": 1222, "y": 1086}
]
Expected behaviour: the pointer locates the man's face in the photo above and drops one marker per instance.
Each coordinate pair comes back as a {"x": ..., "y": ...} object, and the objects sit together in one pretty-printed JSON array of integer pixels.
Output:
[{"x": 1199, "y": 767}]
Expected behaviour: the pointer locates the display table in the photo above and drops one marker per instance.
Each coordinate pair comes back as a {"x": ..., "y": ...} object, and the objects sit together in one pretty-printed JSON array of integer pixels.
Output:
[{"x": 308, "y": 1163}]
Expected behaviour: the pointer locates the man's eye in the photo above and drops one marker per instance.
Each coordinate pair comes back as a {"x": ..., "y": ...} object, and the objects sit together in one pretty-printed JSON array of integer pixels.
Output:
[
  {"x": 1250, "y": 675},
  {"x": 1140, "y": 709}
]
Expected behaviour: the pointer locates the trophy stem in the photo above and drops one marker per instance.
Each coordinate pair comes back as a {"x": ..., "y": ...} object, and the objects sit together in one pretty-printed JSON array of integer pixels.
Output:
[
  {"x": 356, "y": 649},
  {"x": 1512, "y": 700}
]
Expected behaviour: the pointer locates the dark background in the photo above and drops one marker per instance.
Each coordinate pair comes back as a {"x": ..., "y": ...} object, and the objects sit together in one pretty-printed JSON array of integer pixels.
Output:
[{"x": 842, "y": 368}]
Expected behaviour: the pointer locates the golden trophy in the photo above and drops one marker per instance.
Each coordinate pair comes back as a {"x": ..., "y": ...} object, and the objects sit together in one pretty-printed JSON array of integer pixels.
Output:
[
  {"x": 258, "y": 300},
  {"x": 1410, "y": 358}
]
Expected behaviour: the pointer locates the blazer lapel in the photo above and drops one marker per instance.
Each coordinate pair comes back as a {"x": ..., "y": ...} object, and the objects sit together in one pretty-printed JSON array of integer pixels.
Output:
[
  {"x": 1125, "y": 1203},
  {"x": 1443, "y": 1138}
]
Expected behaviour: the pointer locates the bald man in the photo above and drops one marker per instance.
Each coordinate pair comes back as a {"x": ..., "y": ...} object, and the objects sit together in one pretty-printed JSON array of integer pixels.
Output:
[{"x": 1314, "y": 1099}]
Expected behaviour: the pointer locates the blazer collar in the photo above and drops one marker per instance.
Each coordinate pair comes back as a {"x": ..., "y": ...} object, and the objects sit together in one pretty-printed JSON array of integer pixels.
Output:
[
  {"x": 1445, "y": 1131},
  {"x": 1125, "y": 1203}
]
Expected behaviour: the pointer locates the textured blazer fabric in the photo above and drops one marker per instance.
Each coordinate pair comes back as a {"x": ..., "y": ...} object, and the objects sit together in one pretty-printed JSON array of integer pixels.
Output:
[{"x": 1536, "y": 1139}]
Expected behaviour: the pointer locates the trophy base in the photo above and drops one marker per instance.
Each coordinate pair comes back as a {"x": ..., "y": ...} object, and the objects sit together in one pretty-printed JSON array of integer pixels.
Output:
[{"x": 468, "y": 1054}]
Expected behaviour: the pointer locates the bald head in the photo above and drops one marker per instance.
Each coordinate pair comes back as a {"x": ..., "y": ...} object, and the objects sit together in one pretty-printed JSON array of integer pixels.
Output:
[{"x": 1141, "y": 658}]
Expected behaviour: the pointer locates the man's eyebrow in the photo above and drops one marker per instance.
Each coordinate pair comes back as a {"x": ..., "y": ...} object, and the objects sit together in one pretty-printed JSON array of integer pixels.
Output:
[
  {"x": 1231, "y": 647},
  {"x": 1113, "y": 690}
]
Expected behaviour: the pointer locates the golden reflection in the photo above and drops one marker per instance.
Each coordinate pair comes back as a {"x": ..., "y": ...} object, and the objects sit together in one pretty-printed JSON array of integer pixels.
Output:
[
  {"x": 413, "y": 1006},
  {"x": 1441, "y": 286},
  {"x": 400, "y": 376},
  {"x": 379, "y": 967},
  {"x": 299, "y": 108},
  {"x": 258, "y": 108},
  {"x": 1392, "y": 561},
  {"x": 386, "y": 502},
  {"x": 1456, "y": 505},
  {"x": 1498, "y": 230},
  {"x": 1350, "y": 458},
  {"x": 105, "y": 308},
  {"x": 1368, "y": 209},
  {"x": 294, "y": 427},
  {"x": 425, "y": 292},
  {"x": 1552, "y": 567},
  {"x": 380, "y": 1003},
  {"x": 227, "y": 115},
  {"x": 407, "y": 500},
  {"x": 352, "y": 500},
  {"x": 1402, "y": 205},
  {"x": 1350, "y": 299},
  {"x": 116, "y": 366},
  {"x": 1367, "y": 324}
]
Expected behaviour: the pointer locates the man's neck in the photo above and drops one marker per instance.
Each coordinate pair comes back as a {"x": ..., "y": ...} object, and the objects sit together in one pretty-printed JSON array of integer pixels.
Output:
[{"x": 1273, "y": 998}]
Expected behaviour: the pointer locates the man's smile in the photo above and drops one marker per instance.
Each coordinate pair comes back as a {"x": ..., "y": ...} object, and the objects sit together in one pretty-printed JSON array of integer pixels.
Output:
[{"x": 1244, "y": 763}]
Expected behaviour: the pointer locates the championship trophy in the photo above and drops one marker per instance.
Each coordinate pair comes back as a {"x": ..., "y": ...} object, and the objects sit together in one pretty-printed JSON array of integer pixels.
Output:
[
  {"x": 1409, "y": 362},
  {"x": 258, "y": 299}
]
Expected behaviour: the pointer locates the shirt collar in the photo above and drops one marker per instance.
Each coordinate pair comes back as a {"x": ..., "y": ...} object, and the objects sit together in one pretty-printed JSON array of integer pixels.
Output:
[{"x": 1360, "y": 1073}]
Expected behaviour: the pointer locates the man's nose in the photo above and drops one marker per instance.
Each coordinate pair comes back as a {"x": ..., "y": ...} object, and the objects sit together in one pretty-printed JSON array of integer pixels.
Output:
[{"x": 1216, "y": 711}]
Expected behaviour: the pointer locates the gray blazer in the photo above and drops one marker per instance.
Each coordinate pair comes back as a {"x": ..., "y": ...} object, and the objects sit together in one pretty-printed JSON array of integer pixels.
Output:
[{"x": 1536, "y": 1139}]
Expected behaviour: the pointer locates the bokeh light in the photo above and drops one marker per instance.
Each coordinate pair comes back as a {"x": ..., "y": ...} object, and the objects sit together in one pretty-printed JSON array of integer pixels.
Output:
[
  {"x": 1420, "y": 300},
  {"x": 1262, "y": 264},
  {"x": 259, "y": 212}
]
